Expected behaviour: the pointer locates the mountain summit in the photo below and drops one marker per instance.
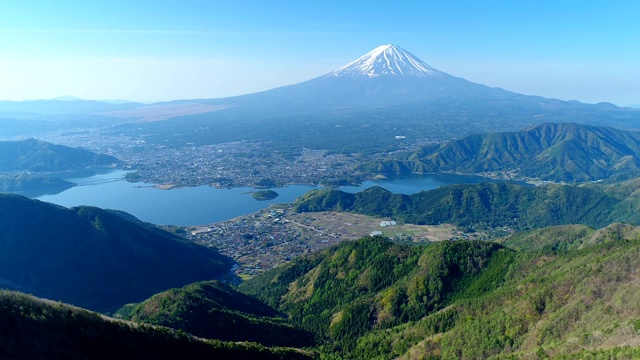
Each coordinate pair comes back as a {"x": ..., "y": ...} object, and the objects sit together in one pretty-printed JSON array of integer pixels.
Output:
[
  {"x": 386, "y": 60},
  {"x": 385, "y": 93}
]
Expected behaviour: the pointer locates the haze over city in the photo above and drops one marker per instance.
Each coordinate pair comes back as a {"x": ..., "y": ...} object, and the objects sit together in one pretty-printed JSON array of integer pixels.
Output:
[{"x": 156, "y": 51}]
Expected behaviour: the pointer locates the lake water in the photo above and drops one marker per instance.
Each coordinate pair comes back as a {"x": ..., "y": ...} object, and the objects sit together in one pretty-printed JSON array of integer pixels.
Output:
[{"x": 204, "y": 204}]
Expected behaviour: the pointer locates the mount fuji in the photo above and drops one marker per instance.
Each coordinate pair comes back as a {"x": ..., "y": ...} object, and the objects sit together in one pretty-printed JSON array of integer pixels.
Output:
[
  {"x": 387, "y": 92},
  {"x": 386, "y": 76},
  {"x": 387, "y": 60}
]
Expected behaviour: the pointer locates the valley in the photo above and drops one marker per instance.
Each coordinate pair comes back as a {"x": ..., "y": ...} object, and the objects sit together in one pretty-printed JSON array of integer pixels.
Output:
[{"x": 262, "y": 241}]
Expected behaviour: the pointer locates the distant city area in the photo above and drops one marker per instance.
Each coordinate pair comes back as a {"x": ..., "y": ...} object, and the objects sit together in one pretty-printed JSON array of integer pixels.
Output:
[{"x": 226, "y": 165}]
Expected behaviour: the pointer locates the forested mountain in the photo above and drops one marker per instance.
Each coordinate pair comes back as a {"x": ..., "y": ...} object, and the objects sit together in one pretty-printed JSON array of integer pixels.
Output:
[
  {"x": 94, "y": 258},
  {"x": 350, "y": 289},
  {"x": 484, "y": 205},
  {"x": 214, "y": 310},
  {"x": 466, "y": 300},
  {"x": 40, "y": 156},
  {"x": 34, "y": 328},
  {"x": 558, "y": 152},
  {"x": 33, "y": 184}
]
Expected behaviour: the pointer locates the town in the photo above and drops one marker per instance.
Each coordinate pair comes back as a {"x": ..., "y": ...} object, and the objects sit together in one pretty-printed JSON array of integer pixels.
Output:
[
  {"x": 263, "y": 240},
  {"x": 226, "y": 165}
]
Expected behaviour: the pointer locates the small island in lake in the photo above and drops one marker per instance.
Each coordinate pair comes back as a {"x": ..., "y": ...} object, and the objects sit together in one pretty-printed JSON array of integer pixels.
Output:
[{"x": 265, "y": 195}]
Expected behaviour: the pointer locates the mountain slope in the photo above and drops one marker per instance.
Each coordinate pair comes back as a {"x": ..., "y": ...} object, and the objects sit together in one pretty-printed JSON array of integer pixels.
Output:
[
  {"x": 371, "y": 283},
  {"x": 385, "y": 93},
  {"x": 465, "y": 300},
  {"x": 94, "y": 258},
  {"x": 34, "y": 155},
  {"x": 214, "y": 310},
  {"x": 34, "y": 328}
]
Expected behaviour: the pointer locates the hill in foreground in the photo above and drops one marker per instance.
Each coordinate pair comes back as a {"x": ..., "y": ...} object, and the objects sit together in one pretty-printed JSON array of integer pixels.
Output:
[
  {"x": 94, "y": 258},
  {"x": 465, "y": 300},
  {"x": 214, "y": 310},
  {"x": 34, "y": 328}
]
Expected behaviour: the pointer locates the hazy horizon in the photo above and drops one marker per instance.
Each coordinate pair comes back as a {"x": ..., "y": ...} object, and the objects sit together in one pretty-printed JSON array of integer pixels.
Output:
[{"x": 159, "y": 51}]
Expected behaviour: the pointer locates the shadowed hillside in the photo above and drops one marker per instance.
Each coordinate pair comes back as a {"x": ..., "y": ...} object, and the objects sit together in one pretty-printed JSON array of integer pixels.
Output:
[
  {"x": 41, "y": 329},
  {"x": 214, "y": 310},
  {"x": 94, "y": 258}
]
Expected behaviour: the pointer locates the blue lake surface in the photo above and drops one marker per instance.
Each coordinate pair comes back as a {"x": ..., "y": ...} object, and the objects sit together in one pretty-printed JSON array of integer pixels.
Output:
[{"x": 204, "y": 204}]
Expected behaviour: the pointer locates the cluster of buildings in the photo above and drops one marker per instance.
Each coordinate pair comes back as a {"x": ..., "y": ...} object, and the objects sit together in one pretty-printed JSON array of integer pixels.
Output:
[{"x": 261, "y": 241}]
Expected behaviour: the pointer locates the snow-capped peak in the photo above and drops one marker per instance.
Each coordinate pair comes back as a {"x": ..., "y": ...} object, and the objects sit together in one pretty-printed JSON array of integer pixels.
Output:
[{"x": 386, "y": 60}]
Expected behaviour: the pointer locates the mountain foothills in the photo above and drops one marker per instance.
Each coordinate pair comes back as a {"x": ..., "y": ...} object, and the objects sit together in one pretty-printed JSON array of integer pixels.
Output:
[
  {"x": 556, "y": 152},
  {"x": 94, "y": 258}
]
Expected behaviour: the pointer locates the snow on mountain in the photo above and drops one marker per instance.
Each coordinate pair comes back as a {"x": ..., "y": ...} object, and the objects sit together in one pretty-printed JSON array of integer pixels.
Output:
[{"x": 386, "y": 60}]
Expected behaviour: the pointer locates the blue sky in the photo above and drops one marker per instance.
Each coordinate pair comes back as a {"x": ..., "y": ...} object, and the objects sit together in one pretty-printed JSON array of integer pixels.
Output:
[{"x": 163, "y": 50}]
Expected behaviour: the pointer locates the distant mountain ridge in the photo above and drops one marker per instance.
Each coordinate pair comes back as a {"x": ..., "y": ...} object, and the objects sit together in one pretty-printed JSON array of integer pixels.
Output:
[
  {"x": 556, "y": 152},
  {"x": 63, "y": 105}
]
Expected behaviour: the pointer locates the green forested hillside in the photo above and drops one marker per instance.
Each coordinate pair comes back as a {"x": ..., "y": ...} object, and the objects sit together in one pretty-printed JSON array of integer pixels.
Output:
[
  {"x": 372, "y": 299},
  {"x": 214, "y": 310},
  {"x": 41, "y": 329},
  {"x": 34, "y": 155},
  {"x": 482, "y": 205},
  {"x": 348, "y": 290},
  {"x": 558, "y": 152},
  {"x": 94, "y": 258}
]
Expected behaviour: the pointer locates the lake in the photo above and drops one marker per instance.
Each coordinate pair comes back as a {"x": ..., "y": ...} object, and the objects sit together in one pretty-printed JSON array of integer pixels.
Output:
[{"x": 204, "y": 204}]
